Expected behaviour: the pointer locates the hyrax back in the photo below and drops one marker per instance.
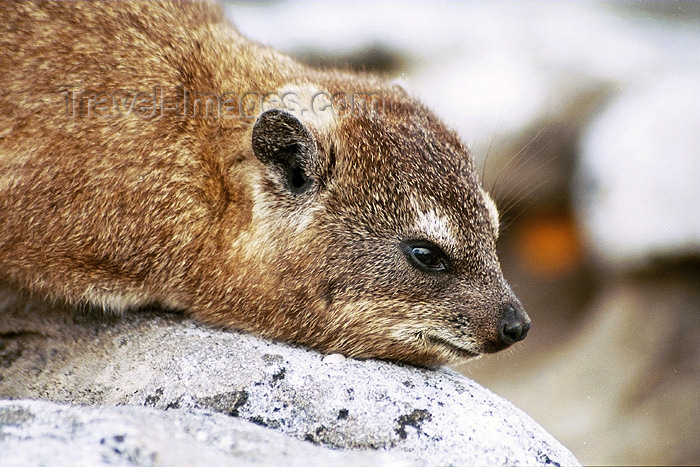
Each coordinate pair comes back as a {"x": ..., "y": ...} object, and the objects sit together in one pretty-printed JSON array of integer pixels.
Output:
[{"x": 350, "y": 228}]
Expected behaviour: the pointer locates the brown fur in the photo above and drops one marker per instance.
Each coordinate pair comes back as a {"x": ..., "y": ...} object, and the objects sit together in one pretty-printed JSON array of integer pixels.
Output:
[{"x": 127, "y": 211}]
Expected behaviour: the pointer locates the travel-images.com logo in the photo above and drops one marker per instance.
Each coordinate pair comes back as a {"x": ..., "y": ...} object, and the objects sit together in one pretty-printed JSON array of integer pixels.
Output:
[{"x": 183, "y": 103}]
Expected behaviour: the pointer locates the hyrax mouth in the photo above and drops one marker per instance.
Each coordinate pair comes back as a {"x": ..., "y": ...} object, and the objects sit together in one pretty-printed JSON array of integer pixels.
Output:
[{"x": 459, "y": 351}]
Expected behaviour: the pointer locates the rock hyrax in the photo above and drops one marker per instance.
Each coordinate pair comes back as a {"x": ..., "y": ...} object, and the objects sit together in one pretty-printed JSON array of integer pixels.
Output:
[{"x": 151, "y": 154}]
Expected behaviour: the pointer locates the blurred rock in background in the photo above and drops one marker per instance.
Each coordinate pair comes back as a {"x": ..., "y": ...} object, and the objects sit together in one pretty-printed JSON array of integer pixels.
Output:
[{"x": 585, "y": 119}]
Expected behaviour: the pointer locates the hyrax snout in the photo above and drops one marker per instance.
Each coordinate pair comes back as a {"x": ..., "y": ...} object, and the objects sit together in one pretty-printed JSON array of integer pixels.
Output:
[{"x": 352, "y": 229}]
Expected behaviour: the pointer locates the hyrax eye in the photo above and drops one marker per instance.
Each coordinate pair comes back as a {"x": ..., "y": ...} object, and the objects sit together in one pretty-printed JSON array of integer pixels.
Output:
[{"x": 425, "y": 256}]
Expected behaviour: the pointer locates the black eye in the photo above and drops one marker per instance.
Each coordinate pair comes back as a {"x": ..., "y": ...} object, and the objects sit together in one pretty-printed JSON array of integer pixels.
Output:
[{"x": 425, "y": 256}]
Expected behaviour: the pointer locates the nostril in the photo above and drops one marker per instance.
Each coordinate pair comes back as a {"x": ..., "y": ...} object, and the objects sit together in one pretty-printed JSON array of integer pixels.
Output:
[
  {"x": 511, "y": 332},
  {"x": 514, "y": 326}
]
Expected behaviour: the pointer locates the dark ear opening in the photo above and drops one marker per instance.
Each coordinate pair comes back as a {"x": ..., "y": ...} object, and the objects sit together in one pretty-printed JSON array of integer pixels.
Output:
[{"x": 284, "y": 144}]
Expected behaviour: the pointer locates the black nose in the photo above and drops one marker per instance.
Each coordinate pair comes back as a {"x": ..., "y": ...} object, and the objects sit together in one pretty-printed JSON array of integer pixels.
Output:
[{"x": 514, "y": 324}]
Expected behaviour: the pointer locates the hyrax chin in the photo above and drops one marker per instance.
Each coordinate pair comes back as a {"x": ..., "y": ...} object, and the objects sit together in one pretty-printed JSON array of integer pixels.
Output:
[{"x": 149, "y": 153}]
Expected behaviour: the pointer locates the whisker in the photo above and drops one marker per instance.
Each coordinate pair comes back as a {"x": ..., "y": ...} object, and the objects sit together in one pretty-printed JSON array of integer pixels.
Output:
[
  {"x": 514, "y": 158},
  {"x": 501, "y": 120},
  {"x": 518, "y": 195},
  {"x": 509, "y": 209}
]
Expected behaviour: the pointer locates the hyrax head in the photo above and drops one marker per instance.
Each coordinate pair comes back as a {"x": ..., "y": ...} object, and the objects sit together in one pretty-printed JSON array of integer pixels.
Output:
[{"x": 389, "y": 240}]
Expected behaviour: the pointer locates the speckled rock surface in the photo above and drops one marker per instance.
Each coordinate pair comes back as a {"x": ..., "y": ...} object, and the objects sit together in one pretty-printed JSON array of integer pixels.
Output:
[
  {"x": 167, "y": 362},
  {"x": 48, "y": 433}
]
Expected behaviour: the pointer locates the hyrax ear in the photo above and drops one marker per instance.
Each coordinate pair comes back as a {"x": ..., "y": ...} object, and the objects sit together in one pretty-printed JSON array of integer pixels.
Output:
[{"x": 286, "y": 146}]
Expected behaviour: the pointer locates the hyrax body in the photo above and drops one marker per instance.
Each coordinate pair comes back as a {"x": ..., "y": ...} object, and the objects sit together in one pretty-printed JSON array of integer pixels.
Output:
[{"x": 351, "y": 228}]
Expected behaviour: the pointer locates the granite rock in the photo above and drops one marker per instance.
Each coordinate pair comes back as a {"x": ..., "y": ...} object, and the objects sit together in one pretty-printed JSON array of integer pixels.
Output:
[
  {"x": 49, "y": 433},
  {"x": 168, "y": 362}
]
